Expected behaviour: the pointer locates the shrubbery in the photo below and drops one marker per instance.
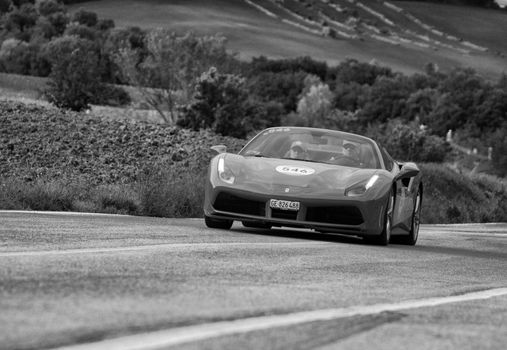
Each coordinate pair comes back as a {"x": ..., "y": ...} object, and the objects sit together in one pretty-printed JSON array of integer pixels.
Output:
[
  {"x": 74, "y": 74},
  {"x": 83, "y": 163},
  {"x": 451, "y": 197},
  {"x": 410, "y": 142},
  {"x": 221, "y": 103}
]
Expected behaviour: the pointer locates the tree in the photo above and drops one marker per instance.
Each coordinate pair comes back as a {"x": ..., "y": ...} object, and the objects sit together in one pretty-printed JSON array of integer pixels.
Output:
[
  {"x": 48, "y": 7},
  {"x": 386, "y": 99},
  {"x": 315, "y": 103},
  {"x": 411, "y": 142},
  {"x": 14, "y": 56},
  {"x": 21, "y": 20},
  {"x": 86, "y": 18},
  {"x": 5, "y": 6},
  {"x": 165, "y": 73},
  {"x": 221, "y": 103},
  {"x": 498, "y": 142},
  {"x": 360, "y": 72},
  {"x": 283, "y": 87},
  {"x": 74, "y": 78},
  {"x": 351, "y": 96}
]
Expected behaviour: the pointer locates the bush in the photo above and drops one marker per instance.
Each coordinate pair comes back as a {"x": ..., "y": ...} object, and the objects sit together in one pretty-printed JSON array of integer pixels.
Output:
[
  {"x": 172, "y": 191},
  {"x": 74, "y": 79},
  {"x": 222, "y": 104},
  {"x": 81, "y": 31},
  {"x": 86, "y": 18},
  {"x": 49, "y": 7},
  {"x": 410, "y": 142},
  {"x": 111, "y": 95},
  {"x": 4, "y": 6},
  {"x": 499, "y": 144},
  {"x": 451, "y": 197}
]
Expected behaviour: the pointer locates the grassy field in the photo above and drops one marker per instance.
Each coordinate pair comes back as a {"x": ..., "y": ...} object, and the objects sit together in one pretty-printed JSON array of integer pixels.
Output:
[
  {"x": 487, "y": 27},
  {"x": 252, "y": 33}
]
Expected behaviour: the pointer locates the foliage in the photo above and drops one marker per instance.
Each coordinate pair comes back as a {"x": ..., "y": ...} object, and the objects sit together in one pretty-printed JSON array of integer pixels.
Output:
[
  {"x": 293, "y": 65},
  {"x": 352, "y": 71},
  {"x": 86, "y": 18},
  {"x": 166, "y": 73},
  {"x": 451, "y": 197},
  {"x": 221, "y": 103},
  {"x": 410, "y": 142},
  {"x": 49, "y": 7},
  {"x": 74, "y": 78},
  {"x": 283, "y": 88},
  {"x": 350, "y": 97},
  {"x": 4, "y": 6},
  {"x": 54, "y": 160},
  {"x": 20, "y": 20},
  {"x": 386, "y": 99},
  {"x": 499, "y": 145},
  {"x": 315, "y": 103}
]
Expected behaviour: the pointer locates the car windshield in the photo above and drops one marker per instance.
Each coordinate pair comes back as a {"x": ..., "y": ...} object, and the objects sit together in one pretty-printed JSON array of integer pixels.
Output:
[{"x": 314, "y": 145}]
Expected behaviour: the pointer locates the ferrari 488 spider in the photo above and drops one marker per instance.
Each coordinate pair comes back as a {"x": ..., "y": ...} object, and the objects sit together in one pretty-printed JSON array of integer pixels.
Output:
[{"x": 329, "y": 181}]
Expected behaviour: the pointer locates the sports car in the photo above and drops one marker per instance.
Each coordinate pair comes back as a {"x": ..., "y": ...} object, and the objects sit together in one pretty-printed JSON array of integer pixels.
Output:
[{"x": 325, "y": 180}]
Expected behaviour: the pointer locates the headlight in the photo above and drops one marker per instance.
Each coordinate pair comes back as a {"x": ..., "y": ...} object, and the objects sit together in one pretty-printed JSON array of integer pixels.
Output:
[
  {"x": 361, "y": 188},
  {"x": 224, "y": 173}
]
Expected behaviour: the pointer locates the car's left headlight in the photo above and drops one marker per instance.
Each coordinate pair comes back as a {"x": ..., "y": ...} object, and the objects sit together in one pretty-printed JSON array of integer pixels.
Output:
[
  {"x": 361, "y": 188},
  {"x": 224, "y": 172}
]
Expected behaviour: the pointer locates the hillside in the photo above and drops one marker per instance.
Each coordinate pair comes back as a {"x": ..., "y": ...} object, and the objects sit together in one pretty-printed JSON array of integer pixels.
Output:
[
  {"x": 404, "y": 35},
  {"x": 55, "y": 160}
]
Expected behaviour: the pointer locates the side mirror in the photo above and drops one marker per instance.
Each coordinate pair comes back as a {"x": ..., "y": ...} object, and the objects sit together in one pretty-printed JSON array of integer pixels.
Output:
[
  {"x": 408, "y": 170},
  {"x": 219, "y": 148}
]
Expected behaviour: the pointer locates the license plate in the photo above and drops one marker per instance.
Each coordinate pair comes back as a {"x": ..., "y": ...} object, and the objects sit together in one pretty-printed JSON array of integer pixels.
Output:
[{"x": 283, "y": 205}]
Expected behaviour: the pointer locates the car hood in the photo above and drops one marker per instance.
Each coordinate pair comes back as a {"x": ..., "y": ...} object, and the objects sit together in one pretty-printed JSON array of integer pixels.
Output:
[{"x": 294, "y": 175}]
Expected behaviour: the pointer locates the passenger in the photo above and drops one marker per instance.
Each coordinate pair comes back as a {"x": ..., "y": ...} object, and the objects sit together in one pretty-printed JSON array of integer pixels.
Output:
[{"x": 349, "y": 157}]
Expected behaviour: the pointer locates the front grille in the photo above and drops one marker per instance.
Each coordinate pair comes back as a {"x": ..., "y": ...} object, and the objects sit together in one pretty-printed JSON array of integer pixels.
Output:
[
  {"x": 284, "y": 214},
  {"x": 234, "y": 204},
  {"x": 344, "y": 215}
]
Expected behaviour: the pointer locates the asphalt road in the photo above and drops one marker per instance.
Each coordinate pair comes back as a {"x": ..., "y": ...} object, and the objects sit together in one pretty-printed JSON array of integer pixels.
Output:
[{"x": 69, "y": 279}]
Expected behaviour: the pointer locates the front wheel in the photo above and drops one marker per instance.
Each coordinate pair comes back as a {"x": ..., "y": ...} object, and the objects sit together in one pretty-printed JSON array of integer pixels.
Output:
[
  {"x": 385, "y": 235},
  {"x": 411, "y": 239},
  {"x": 217, "y": 223}
]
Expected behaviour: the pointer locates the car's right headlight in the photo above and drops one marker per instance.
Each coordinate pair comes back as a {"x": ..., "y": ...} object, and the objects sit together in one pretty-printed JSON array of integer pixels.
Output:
[{"x": 224, "y": 173}]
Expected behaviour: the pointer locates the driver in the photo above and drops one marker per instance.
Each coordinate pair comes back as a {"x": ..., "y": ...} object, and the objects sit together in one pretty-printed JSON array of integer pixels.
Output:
[
  {"x": 351, "y": 151},
  {"x": 298, "y": 150}
]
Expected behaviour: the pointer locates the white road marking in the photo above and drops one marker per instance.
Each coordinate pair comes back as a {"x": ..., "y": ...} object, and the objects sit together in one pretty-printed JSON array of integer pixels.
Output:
[
  {"x": 169, "y": 246},
  {"x": 62, "y": 213},
  {"x": 182, "y": 335}
]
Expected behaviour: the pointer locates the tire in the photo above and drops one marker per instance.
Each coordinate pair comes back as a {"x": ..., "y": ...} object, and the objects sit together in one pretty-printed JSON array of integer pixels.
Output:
[
  {"x": 385, "y": 235},
  {"x": 218, "y": 223},
  {"x": 411, "y": 239},
  {"x": 251, "y": 224}
]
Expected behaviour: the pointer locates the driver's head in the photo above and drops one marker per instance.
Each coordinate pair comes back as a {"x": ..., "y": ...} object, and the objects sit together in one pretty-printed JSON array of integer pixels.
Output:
[
  {"x": 351, "y": 151},
  {"x": 297, "y": 150}
]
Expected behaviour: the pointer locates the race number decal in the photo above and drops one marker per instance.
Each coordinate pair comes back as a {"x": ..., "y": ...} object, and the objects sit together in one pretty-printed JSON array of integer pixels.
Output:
[{"x": 295, "y": 170}]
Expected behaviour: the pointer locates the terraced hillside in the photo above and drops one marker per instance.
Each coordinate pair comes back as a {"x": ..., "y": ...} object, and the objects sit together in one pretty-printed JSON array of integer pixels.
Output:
[{"x": 388, "y": 32}]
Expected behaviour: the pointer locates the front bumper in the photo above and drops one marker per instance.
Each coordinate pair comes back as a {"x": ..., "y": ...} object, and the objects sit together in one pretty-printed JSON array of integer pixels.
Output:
[{"x": 322, "y": 212}]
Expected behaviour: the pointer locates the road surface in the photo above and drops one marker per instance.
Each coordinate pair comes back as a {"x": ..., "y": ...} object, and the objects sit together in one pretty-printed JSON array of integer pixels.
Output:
[{"x": 104, "y": 282}]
